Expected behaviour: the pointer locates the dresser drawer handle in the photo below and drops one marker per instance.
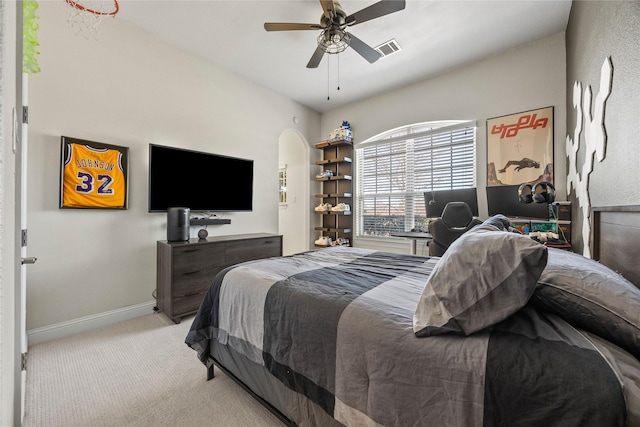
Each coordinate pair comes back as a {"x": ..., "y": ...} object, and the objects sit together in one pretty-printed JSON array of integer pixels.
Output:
[
  {"x": 191, "y": 250},
  {"x": 192, "y": 272}
]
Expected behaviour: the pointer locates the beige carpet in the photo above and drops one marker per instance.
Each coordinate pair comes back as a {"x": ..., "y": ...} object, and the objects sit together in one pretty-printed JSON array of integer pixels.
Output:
[{"x": 135, "y": 373}]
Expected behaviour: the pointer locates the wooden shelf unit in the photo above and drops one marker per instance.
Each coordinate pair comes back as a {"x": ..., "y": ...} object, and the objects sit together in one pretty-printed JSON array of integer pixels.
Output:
[{"x": 337, "y": 157}]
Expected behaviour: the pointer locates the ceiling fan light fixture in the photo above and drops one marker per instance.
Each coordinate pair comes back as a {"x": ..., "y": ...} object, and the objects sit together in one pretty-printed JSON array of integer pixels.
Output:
[{"x": 333, "y": 40}]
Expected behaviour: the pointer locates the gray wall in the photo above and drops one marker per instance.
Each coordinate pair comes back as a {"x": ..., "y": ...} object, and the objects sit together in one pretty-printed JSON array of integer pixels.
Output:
[{"x": 596, "y": 30}]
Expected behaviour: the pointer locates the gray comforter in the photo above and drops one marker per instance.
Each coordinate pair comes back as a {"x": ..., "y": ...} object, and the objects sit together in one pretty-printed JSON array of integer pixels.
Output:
[{"x": 335, "y": 325}]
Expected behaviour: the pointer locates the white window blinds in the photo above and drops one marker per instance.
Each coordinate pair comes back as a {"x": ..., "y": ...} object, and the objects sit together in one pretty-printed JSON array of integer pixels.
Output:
[{"x": 396, "y": 168}]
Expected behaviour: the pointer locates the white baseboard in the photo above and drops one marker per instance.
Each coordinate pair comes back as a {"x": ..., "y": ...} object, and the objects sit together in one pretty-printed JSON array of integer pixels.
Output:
[{"x": 82, "y": 324}]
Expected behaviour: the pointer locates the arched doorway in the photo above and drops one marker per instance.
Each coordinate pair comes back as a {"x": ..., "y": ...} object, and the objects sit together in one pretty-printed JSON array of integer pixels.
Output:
[{"x": 293, "y": 218}]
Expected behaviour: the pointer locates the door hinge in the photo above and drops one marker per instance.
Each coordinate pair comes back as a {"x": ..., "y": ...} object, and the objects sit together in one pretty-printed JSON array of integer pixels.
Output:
[
  {"x": 25, "y": 114},
  {"x": 24, "y": 362},
  {"x": 24, "y": 238}
]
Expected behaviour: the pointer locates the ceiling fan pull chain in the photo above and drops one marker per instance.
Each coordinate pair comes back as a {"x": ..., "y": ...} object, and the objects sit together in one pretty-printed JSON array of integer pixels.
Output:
[
  {"x": 328, "y": 77},
  {"x": 338, "y": 58}
]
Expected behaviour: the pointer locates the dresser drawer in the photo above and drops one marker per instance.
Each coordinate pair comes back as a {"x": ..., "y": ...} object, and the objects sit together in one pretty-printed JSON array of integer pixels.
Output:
[
  {"x": 187, "y": 303},
  {"x": 266, "y": 247},
  {"x": 194, "y": 275},
  {"x": 190, "y": 258},
  {"x": 189, "y": 284},
  {"x": 195, "y": 267}
]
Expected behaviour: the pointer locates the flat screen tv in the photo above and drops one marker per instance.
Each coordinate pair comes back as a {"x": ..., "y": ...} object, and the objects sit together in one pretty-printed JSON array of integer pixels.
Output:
[
  {"x": 435, "y": 201},
  {"x": 202, "y": 182},
  {"x": 503, "y": 199}
]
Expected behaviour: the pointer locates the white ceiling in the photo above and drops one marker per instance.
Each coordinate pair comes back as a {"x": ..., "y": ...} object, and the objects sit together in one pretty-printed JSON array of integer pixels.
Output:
[{"x": 434, "y": 35}]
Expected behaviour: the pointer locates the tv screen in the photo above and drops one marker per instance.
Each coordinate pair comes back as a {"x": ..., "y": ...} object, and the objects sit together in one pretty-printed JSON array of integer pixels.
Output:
[
  {"x": 202, "y": 182},
  {"x": 503, "y": 199},
  {"x": 435, "y": 201}
]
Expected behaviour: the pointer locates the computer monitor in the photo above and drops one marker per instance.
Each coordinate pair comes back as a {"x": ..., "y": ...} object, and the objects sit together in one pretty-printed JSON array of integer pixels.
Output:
[
  {"x": 435, "y": 201},
  {"x": 503, "y": 199}
]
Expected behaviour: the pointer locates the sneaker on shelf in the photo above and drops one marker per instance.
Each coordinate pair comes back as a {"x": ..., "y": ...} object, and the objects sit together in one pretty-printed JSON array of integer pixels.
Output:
[
  {"x": 341, "y": 207},
  {"x": 323, "y": 207},
  {"x": 325, "y": 174},
  {"x": 323, "y": 241},
  {"x": 340, "y": 242}
]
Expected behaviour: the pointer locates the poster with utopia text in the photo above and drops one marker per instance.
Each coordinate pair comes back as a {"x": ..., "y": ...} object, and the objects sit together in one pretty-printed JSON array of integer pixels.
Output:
[
  {"x": 93, "y": 175},
  {"x": 520, "y": 148}
]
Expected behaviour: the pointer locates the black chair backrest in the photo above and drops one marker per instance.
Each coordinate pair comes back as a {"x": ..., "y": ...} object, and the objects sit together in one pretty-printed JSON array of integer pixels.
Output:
[{"x": 456, "y": 220}]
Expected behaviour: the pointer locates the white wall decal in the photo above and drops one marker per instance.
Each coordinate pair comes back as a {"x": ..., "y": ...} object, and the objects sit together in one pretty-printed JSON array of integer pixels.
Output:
[{"x": 595, "y": 139}]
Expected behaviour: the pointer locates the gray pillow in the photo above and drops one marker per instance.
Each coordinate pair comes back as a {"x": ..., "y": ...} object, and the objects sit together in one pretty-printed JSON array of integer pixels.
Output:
[
  {"x": 485, "y": 276},
  {"x": 592, "y": 297}
]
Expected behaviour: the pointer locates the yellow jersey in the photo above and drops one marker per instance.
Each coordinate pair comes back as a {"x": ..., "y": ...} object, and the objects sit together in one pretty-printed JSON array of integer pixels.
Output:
[{"x": 93, "y": 178}]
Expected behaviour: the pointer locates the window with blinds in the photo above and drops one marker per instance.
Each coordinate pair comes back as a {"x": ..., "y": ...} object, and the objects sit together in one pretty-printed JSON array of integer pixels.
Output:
[{"x": 396, "y": 168}]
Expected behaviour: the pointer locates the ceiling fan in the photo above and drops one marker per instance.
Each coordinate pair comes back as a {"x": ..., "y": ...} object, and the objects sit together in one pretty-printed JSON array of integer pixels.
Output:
[{"x": 334, "y": 21}]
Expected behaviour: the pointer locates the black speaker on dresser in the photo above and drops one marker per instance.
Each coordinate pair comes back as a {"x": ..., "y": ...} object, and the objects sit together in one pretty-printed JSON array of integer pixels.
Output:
[{"x": 178, "y": 224}]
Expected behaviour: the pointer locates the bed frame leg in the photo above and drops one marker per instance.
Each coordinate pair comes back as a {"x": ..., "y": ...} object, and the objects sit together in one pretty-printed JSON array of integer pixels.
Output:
[{"x": 210, "y": 373}]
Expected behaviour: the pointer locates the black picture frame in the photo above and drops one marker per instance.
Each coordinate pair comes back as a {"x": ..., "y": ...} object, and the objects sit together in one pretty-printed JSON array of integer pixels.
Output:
[
  {"x": 93, "y": 175},
  {"x": 520, "y": 148}
]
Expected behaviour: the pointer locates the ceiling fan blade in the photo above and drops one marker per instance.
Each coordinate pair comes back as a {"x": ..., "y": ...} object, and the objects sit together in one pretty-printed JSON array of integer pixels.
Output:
[
  {"x": 366, "y": 51},
  {"x": 316, "y": 58},
  {"x": 327, "y": 6},
  {"x": 376, "y": 10},
  {"x": 285, "y": 26}
]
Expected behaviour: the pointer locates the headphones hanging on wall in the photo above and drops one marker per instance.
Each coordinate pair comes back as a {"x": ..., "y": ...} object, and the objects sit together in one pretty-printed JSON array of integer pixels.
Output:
[{"x": 542, "y": 192}]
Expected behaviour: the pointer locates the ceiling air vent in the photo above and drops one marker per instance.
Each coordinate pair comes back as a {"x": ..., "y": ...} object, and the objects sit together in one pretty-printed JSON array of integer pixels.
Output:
[{"x": 388, "y": 48}]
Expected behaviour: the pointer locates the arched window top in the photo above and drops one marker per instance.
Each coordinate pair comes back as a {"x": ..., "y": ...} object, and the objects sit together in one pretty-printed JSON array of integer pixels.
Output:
[{"x": 417, "y": 130}]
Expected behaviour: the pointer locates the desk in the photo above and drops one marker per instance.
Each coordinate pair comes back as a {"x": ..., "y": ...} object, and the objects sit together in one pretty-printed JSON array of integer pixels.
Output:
[{"x": 414, "y": 236}]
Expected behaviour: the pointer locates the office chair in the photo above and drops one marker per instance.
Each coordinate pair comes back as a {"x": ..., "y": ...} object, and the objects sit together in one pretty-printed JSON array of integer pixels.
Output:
[{"x": 456, "y": 220}]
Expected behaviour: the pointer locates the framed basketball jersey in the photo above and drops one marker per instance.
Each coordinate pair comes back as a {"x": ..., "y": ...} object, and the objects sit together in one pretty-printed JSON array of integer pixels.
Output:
[{"x": 93, "y": 175}]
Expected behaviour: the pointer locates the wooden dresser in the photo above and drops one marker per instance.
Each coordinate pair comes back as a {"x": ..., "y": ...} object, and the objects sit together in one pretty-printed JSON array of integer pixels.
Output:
[{"x": 185, "y": 270}]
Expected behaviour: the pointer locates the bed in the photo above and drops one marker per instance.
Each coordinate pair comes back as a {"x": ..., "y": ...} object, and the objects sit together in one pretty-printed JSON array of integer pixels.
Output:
[{"x": 499, "y": 331}]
